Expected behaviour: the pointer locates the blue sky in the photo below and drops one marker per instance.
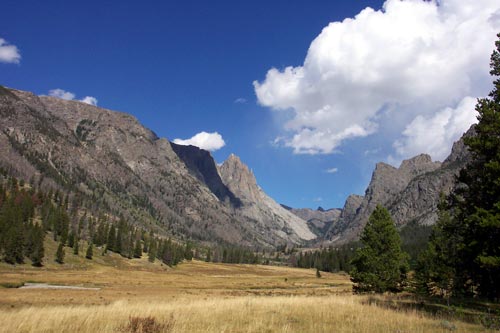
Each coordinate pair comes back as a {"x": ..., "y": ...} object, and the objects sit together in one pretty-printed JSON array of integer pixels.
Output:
[{"x": 380, "y": 86}]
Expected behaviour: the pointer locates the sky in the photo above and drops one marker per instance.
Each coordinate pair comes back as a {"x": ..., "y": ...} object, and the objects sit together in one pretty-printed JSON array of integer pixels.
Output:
[{"x": 309, "y": 94}]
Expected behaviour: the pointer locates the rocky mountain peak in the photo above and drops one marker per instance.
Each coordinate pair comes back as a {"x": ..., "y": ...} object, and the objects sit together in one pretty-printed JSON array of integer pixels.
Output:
[
  {"x": 410, "y": 192},
  {"x": 419, "y": 164},
  {"x": 238, "y": 177},
  {"x": 257, "y": 205}
]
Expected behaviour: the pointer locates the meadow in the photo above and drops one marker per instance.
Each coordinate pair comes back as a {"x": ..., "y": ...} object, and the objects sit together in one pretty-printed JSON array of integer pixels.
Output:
[{"x": 139, "y": 296}]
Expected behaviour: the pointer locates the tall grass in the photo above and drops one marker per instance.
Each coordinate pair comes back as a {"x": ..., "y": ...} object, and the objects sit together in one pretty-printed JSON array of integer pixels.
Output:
[{"x": 232, "y": 314}]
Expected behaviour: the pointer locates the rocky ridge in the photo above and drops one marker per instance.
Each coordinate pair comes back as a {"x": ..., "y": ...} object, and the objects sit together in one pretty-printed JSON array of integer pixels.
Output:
[
  {"x": 114, "y": 163},
  {"x": 411, "y": 192}
]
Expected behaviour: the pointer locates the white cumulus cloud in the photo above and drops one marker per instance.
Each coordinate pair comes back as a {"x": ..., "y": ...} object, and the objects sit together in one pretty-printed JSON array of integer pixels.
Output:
[
  {"x": 89, "y": 100},
  {"x": 435, "y": 134},
  {"x": 411, "y": 58},
  {"x": 240, "y": 100},
  {"x": 208, "y": 141},
  {"x": 62, "y": 94},
  {"x": 69, "y": 96},
  {"x": 9, "y": 53},
  {"x": 332, "y": 170}
]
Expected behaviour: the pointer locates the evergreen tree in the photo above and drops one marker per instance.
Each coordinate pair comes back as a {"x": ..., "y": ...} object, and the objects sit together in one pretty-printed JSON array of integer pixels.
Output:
[
  {"x": 138, "y": 249},
  {"x": 152, "y": 250},
  {"x": 76, "y": 246},
  {"x": 37, "y": 253},
  {"x": 90, "y": 252},
  {"x": 111, "y": 241},
  {"x": 471, "y": 235},
  {"x": 71, "y": 239},
  {"x": 380, "y": 265},
  {"x": 435, "y": 272},
  {"x": 60, "y": 253},
  {"x": 209, "y": 255}
]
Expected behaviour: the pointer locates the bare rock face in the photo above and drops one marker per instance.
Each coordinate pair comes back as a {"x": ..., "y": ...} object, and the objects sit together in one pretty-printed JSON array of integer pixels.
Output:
[
  {"x": 202, "y": 166},
  {"x": 258, "y": 206},
  {"x": 115, "y": 164},
  {"x": 240, "y": 179},
  {"x": 410, "y": 192},
  {"x": 318, "y": 220}
]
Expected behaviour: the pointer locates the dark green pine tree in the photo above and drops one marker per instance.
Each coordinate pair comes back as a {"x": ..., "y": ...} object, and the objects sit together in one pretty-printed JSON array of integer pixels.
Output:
[
  {"x": 76, "y": 246},
  {"x": 60, "y": 253},
  {"x": 379, "y": 265},
  {"x": 209, "y": 255},
  {"x": 435, "y": 272},
  {"x": 71, "y": 239},
  {"x": 14, "y": 238},
  {"x": 152, "y": 250},
  {"x": 90, "y": 251},
  {"x": 111, "y": 241},
  {"x": 477, "y": 204},
  {"x": 138, "y": 249},
  {"x": 37, "y": 252}
]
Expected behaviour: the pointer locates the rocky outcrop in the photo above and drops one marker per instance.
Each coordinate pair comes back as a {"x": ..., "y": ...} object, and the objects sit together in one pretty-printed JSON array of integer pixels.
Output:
[
  {"x": 410, "y": 192},
  {"x": 258, "y": 206}
]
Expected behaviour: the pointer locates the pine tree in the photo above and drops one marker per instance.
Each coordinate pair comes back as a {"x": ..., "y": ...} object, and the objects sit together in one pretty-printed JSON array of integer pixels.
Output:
[
  {"x": 209, "y": 255},
  {"x": 380, "y": 265},
  {"x": 90, "y": 251},
  {"x": 111, "y": 241},
  {"x": 37, "y": 253},
  {"x": 435, "y": 272},
  {"x": 71, "y": 239},
  {"x": 472, "y": 234},
  {"x": 138, "y": 249},
  {"x": 60, "y": 253},
  {"x": 152, "y": 250},
  {"x": 76, "y": 246}
]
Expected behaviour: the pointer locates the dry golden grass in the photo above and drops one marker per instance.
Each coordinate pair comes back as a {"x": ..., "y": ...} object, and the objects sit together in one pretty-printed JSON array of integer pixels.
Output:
[{"x": 197, "y": 297}]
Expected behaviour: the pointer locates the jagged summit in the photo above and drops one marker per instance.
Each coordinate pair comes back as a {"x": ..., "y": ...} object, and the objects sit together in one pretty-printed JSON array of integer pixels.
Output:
[
  {"x": 410, "y": 192},
  {"x": 257, "y": 205}
]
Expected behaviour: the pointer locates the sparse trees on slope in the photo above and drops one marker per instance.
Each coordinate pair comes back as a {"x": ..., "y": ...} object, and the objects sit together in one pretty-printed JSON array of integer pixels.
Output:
[{"x": 379, "y": 265}]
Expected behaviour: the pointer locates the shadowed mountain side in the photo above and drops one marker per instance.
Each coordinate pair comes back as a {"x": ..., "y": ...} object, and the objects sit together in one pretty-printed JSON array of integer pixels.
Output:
[{"x": 201, "y": 165}]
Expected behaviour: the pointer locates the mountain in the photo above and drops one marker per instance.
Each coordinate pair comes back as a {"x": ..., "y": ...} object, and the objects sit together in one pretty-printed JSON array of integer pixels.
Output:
[
  {"x": 258, "y": 206},
  {"x": 410, "y": 192},
  {"x": 113, "y": 164},
  {"x": 318, "y": 220}
]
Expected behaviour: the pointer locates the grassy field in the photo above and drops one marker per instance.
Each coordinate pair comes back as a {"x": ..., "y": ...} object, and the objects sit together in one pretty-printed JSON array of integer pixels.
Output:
[{"x": 198, "y": 297}]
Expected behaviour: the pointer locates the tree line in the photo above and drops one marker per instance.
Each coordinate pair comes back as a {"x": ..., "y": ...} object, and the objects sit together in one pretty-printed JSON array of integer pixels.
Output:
[{"x": 28, "y": 215}]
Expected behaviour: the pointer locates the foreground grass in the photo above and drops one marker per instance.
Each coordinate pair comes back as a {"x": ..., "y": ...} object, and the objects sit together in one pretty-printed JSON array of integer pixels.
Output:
[
  {"x": 238, "y": 314},
  {"x": 199, "y": 297}
]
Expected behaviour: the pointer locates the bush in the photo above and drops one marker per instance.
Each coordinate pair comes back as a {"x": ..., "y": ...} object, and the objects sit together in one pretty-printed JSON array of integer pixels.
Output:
[{"x": 147, "y": 325}]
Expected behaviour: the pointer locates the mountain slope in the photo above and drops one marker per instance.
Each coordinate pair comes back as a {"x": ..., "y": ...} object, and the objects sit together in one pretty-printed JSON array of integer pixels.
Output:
[
  {"x": 114, "y": 163},
  {"x": 410, "y": 192}
]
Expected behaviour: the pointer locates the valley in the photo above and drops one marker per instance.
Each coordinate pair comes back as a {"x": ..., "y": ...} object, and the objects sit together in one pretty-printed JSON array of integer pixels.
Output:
[{"x": 201, "y": 297}]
